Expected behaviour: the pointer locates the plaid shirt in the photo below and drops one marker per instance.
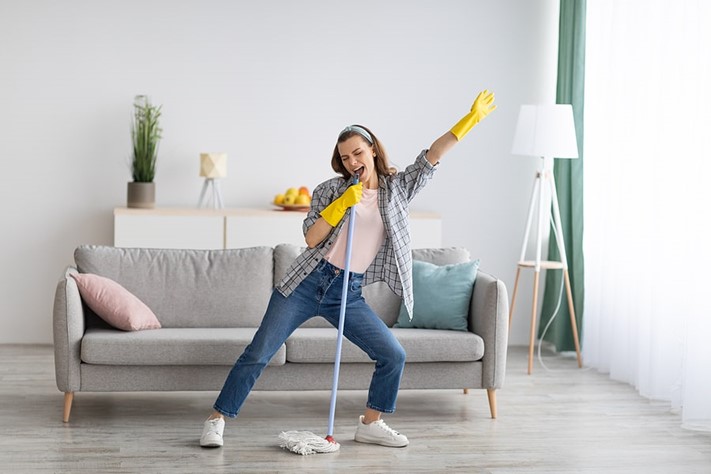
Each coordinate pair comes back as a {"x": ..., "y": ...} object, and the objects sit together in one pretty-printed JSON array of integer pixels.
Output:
[{"x": 393, "y": 263}]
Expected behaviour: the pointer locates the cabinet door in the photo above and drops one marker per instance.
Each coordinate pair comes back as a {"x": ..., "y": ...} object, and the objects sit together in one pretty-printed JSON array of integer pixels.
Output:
[
  {"x": 169, "y": 231},
  {"x": 255, "y": 228},
  {"x": 266, "y": 228}
]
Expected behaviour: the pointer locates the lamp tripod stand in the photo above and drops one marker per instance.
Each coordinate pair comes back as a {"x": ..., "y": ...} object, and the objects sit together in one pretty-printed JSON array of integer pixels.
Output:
[
  {"x": 212, "y": 186},
  {"x": 544, "y": 179}
]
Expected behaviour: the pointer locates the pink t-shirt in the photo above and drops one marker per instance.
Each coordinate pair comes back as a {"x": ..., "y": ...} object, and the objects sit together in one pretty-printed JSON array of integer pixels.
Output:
[{"x": 368, "y": 235}]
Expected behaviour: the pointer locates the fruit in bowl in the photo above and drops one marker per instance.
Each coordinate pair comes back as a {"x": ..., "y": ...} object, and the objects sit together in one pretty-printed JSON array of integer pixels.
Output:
[{"x": 293, "y": 198}]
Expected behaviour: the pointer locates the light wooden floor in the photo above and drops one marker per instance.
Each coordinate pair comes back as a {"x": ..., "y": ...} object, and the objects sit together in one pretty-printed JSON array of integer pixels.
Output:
[{"x": 566, "y": 420}]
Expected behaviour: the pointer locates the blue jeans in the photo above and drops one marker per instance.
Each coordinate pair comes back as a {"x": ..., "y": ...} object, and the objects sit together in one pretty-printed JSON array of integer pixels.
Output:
[{"x": 319, "y": 295}]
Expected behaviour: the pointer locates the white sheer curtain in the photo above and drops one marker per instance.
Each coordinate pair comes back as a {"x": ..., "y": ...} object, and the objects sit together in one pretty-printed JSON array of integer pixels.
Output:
[{"x": 648, "y": 200}]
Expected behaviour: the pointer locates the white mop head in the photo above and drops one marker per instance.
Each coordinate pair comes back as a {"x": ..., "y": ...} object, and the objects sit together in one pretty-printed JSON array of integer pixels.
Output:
[{"x": 305, "y": 442}]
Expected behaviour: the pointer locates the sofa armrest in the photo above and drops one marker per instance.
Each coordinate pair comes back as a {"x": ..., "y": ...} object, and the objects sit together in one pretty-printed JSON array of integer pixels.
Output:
[
  {"x": 488, "y": 317},
  {"x": 68, "y": 329}
]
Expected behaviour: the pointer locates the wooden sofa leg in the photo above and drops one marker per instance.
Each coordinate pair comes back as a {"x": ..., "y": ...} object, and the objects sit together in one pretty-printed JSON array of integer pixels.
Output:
[
  {"x": 68, "y": 399},
  {"x": 466, "y": 391},
  {"x": 491, "y": 393}
]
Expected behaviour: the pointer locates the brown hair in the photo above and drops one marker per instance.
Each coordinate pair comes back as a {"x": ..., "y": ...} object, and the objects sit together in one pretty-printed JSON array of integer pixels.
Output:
[{"x": 382, "y": 164}]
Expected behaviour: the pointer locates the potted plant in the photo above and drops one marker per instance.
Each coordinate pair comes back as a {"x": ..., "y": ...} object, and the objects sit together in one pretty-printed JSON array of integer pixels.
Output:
[{"x": 145, "y": 135}]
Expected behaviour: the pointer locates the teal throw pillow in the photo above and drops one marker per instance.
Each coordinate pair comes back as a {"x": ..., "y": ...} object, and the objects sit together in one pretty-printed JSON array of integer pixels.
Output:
[{"x": 442, "y": 296}]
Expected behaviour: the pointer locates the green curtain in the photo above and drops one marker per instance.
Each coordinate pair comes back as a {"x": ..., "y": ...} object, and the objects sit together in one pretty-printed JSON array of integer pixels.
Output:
[{"x": 569, "y": 182}]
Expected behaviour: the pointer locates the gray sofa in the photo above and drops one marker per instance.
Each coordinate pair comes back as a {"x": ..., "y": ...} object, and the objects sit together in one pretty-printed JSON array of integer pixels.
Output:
[{"x": 210, "y": 302}]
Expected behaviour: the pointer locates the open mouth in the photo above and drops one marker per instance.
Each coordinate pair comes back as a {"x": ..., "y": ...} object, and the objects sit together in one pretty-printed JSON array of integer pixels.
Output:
[{"x": 359, "y": 171}]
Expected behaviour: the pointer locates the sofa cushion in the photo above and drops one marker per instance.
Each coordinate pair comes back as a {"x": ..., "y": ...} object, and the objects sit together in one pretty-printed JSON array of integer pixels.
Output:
[
  {"x": 284, "y": 256},
  {"x": 189, "y": 288},
  {"x": 114, "y": 304},
  {"x": 172, "y": 346},
  {"x": 442, "y": 293},
  {"x": 318, "y": 345},
  {"x": 382, "y": 301}
]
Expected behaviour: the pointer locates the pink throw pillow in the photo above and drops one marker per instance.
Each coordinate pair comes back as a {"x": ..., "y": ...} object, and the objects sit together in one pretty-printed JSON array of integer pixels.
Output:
[{"x": 115, "y": 304}]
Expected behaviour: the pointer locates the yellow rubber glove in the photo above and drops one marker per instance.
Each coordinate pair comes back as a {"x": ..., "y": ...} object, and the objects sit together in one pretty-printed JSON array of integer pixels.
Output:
[
  {"x": 335, "y": 211},
  {"x": 483, "y": 105}
]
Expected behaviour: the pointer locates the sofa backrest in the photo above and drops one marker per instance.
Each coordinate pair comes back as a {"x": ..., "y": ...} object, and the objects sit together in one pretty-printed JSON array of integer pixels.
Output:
[
  {"x": 223, "y": 288},
  {"x": 190, "y": 288}
]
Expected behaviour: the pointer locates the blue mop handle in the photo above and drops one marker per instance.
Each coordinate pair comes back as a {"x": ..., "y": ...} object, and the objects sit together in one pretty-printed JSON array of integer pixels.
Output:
[{"x": 342, "y": 317}]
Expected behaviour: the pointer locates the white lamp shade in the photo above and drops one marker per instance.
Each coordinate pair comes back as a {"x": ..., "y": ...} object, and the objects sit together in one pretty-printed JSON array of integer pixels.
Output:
[
  {"x": 213, "y": 165},
  {"x": 546, "y": 131}
]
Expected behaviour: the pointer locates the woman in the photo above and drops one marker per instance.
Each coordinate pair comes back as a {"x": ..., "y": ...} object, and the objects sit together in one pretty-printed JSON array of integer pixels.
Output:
[{"x": 380, "y": 252}]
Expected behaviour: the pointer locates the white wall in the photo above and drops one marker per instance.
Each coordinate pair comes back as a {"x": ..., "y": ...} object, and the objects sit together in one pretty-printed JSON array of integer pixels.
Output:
[{"x": 271, "y": 83}]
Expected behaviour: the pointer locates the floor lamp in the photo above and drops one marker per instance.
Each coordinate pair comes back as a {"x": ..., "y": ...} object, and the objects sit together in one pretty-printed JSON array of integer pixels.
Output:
[
  {"x": 545, "y": 131},
  {"x": 213, "y": 166}
]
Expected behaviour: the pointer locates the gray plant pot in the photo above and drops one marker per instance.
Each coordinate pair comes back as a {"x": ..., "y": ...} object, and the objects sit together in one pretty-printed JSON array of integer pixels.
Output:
[{"x": 141, "y": 195}]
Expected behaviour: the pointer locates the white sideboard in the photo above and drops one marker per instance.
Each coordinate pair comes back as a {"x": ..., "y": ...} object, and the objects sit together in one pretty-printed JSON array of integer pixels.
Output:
[{"x": 234, "y": 228}]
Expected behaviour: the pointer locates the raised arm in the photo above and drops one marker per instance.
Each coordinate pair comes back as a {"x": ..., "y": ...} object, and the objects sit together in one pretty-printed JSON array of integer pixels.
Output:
[{"x": 483, "y": 105}]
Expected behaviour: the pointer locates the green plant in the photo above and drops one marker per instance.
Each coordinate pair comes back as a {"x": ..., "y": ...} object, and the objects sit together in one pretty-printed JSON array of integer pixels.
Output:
[{"x": 145, "y": 135}]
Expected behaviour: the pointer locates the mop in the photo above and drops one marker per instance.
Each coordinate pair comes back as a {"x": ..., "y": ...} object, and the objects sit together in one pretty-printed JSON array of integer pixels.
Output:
[{"x": 306, "y": 442}]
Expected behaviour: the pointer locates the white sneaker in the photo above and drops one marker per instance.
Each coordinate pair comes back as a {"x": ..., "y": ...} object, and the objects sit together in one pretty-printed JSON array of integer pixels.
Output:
[
  {"x": 212, "y": 433},
  {"x": 378, "y": 432}
]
